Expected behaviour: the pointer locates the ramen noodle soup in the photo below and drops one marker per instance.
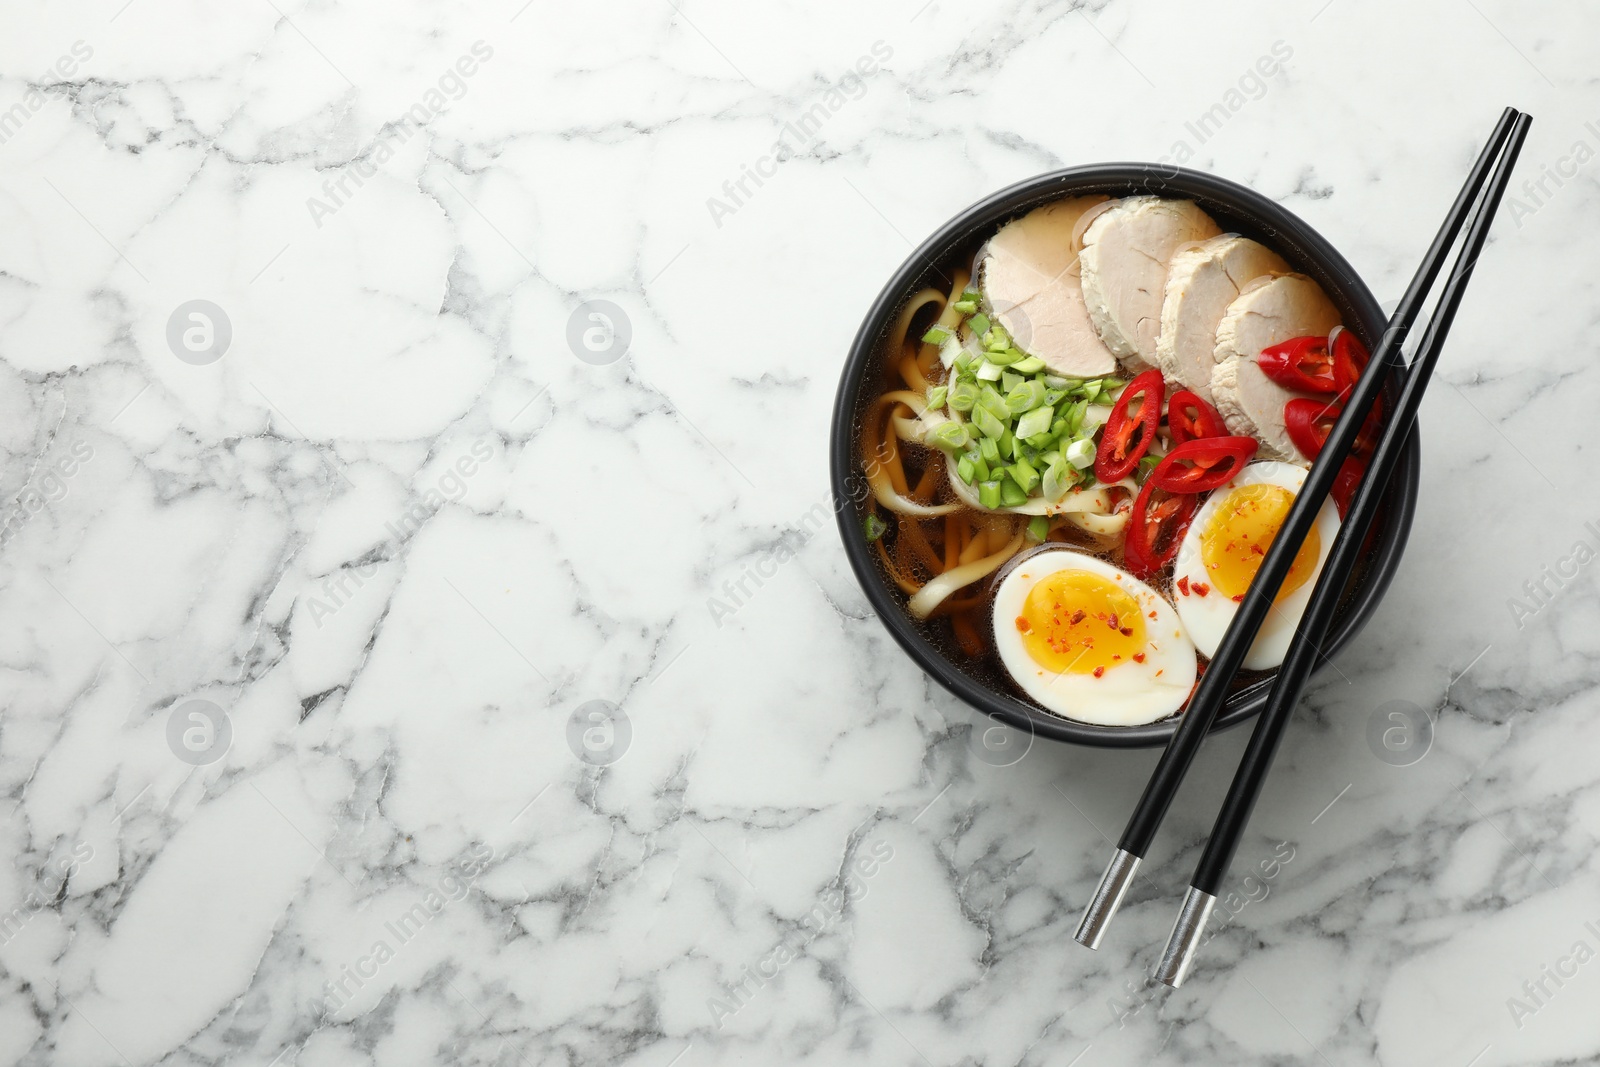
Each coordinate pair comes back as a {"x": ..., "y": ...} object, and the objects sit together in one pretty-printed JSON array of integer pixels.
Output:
[{"x": 1080, "y": 450}]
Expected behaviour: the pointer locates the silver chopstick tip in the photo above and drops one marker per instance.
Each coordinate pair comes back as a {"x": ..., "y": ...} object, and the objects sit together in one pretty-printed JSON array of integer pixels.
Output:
[
  {"x": 1107, "y": 899},
  {"x": 1185, "y": 939}
]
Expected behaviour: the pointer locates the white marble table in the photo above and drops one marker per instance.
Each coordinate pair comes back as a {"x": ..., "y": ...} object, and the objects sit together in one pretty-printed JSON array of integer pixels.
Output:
[{"x": 375, "y": 515}]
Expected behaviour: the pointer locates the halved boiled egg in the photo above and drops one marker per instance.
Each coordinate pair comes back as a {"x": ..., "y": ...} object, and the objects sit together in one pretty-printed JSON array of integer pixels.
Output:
[
  {"x": 1224, "y": 547},
  {"x": 1091, "y": 642}
]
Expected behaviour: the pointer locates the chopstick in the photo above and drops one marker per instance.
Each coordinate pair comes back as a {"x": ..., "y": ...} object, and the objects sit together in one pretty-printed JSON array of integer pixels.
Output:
[
  {"x": 1212, "y": 692},
  {"x": 1345, "y": 556}
]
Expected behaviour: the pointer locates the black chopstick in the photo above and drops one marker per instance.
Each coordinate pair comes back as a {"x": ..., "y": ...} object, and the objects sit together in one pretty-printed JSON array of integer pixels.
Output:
[
  {"x": 1304, "y": 652},
  {"x": 1215, "y": 684}
]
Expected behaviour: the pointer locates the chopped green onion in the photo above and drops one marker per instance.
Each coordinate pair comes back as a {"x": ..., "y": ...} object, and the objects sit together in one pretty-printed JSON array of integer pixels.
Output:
[
  {"x": 874, "y": 528},
  {"x": 1058, "y": 478},
  {"x": 1055, "y": 381},
  {"x": 1005, "y": 356},
  {"x": 1035, "y": 423},
  {"x": 950, "y": 351},
  {"x": 938, "y": 335},
  {"x": 963, "y": 395},
  {"x": 980, "y": 469},
  {"x": 990, "y": 450},
  {"x": 949, "y": 435},
  {"x": 971, "y": 294},
  {"x": 1025, "y": 475},
  {"x": 1146, "y": 465},
  {"x": 1011, "y": 494},
  {"x": 966, "y": 469},
  {"x": 988, "y": 371},
  {"x": 987, "y": 424},
  {"x": 990, "y": 400},
  {"x": 936, "y": 396},
  {"x": 1039, "y": 527},
  {"x": 1080, "y": 453},
  {"x": 980, "y": 324},
  {"x": 962, "y": 363},
  {"x": 989, "y": 494},
  {"x": 1008, "y": 445},
  {"x": 1029, "y": 365},
  {"x": 1106, "y": 390},
  {"x": 1009, "y": 380},
  {"x": 965, "y": 307},
  {"x": 996, "y": 337},
  {"x": 1025, "y": 397},
  {"x": 1074, "y": 416}
]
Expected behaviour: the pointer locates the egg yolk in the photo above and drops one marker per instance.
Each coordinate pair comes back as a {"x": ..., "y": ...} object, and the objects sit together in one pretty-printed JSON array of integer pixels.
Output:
[
  {"x": 1077, "y": 622},
  {"x": 1236, "y": 541}
]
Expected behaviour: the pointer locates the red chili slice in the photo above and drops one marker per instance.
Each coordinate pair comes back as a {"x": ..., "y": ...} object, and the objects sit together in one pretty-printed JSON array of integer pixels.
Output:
[
  {"x": 1351, "y": 471},
  {"x": 1128, "y": 437},
  {"x": 1302, "y": 364},
  {"x": 1349, "y": 360},
  {"x": 1204, "y": 422},
  {"x": 1309, "y": 421},
  {"x": 1156, "y": 529},
  {"x": 1203, "y": 465}
]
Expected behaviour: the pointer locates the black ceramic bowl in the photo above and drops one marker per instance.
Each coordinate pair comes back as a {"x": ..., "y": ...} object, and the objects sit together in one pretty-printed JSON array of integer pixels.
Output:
[{"x": 1236, "y": 208}]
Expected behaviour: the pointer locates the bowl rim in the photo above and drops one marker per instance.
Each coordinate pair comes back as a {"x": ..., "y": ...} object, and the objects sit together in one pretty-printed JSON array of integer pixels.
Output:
[{"x": 1289, "y": 235}]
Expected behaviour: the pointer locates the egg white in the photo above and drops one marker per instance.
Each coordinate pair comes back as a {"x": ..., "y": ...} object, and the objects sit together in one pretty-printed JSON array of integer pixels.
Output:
[
  {"x": 1207, "y": 617},
  {"x": 1128, "y": 693}
]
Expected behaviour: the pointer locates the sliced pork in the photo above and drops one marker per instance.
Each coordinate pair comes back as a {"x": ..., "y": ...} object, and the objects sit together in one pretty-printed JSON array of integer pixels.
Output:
[
  {"x": 1251, "y": 404},
  {"x": 1125, "y": 255},
  {"x": 1201, "y": 282},
  {"x": 1030, "y": 279},
  {"x": 1290, "y": 305}
]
